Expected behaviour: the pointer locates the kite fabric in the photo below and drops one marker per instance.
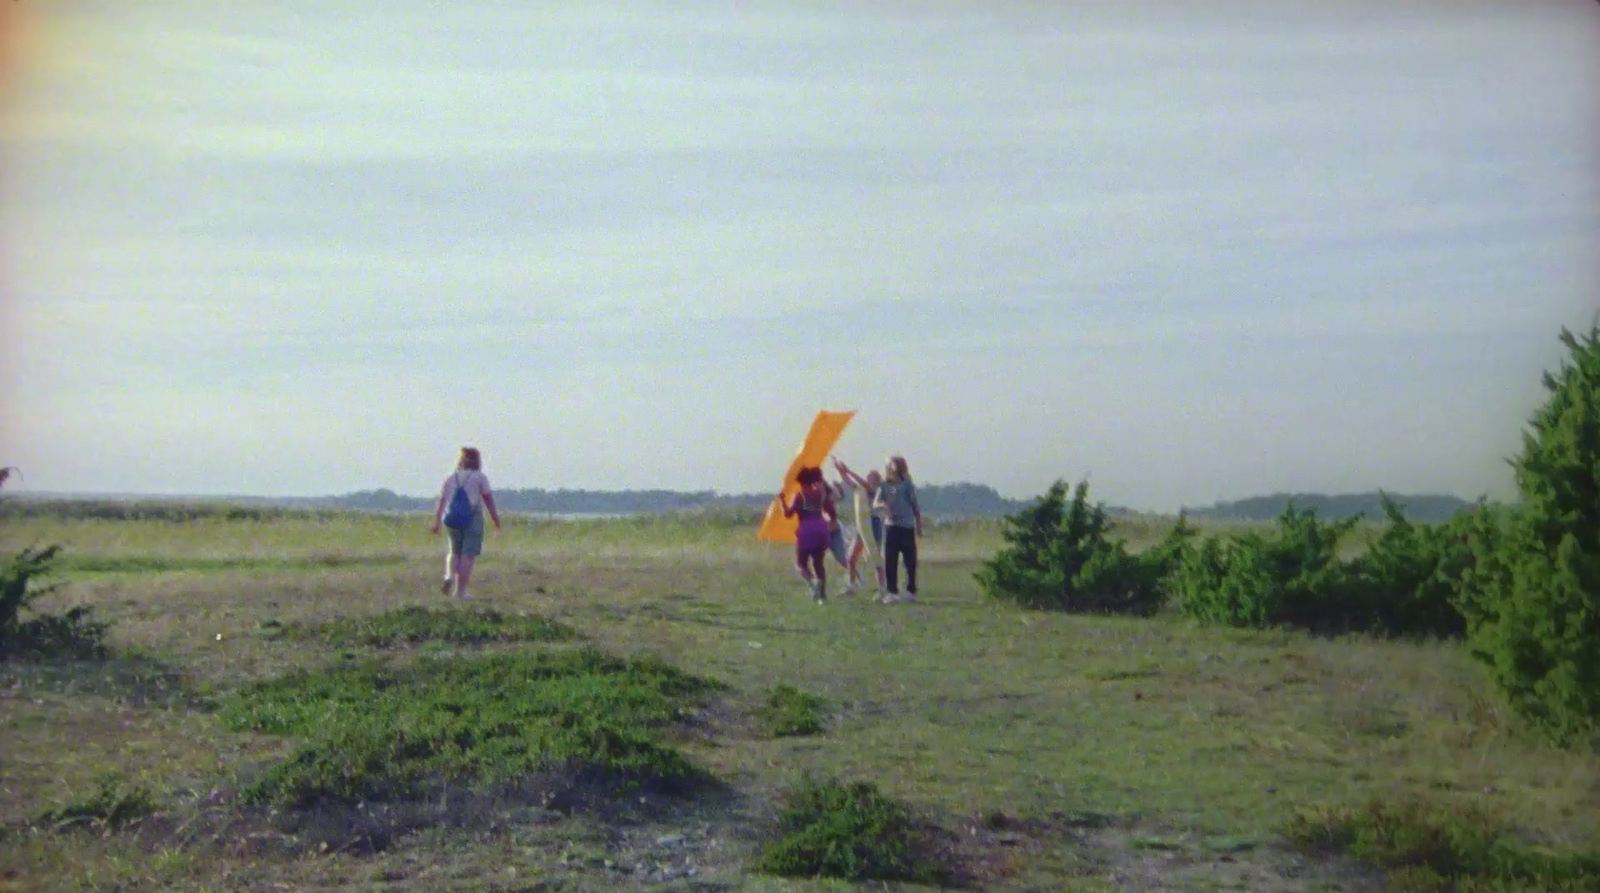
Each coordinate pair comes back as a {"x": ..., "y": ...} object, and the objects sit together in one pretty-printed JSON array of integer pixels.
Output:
[{"x": 825, "y": 430}]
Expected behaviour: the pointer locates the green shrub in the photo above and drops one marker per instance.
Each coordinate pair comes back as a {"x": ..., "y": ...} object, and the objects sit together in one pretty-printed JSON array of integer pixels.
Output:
[
  {"x": 1532, "y": 595},
  {"x": 789, "y": 711},
  {"x": 71, "y": 635},
  {"x": 1431, "y": 847},
  {"x": 1295, "y": 578},
  {"x": 854, "y": 832},
  {"x": 112, "y": 806},
  {"x": 377, "y": 732},
  {"x": 1061, "y": 556},
  {"x": 1407, "y": 581},
  {"x": 419, "y": 624}
]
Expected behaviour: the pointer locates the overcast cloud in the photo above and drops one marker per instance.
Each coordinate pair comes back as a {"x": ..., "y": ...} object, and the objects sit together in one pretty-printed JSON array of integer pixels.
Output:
[{"x": 1197, "y": 251}]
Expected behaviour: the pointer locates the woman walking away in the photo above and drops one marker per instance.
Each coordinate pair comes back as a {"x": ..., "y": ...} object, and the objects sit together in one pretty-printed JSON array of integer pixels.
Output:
[
  {"x": 897, "y": 497},
  {"x": 817, "y": 513},
  {"x": 462, "y": 499}
]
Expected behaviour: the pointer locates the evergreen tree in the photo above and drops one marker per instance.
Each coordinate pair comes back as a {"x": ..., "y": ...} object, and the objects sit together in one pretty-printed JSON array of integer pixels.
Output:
[
  {"x": 1532, "y": 597},
  {"x": 1062, "y": 556}
]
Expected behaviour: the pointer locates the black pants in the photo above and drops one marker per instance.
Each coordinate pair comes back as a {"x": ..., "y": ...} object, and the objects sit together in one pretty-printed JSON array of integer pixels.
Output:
[{"x": 897, "y": 542}]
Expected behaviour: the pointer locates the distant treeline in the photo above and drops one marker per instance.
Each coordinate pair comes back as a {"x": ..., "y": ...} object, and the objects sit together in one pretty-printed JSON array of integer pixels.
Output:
[
  {"x": 1425, "y": 508},
  {"x": 962, "y": 500},
  {"x": 940, "y": 500}
]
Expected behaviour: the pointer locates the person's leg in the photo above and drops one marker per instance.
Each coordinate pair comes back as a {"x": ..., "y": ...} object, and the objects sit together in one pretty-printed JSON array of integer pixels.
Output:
[
  {"x": 471, "y": 546},
  {"x": 910, "y": 552},
  {"x": 839, "y": 548},
  {"x": 891, "y": 560},
  {"x": 820, "y": 588},
  {"x": 877, "y": 551},
  {"x": 452, "y": 561},
  {"x": 857, "y": 547},
  {"x": 802, "y": 563}
]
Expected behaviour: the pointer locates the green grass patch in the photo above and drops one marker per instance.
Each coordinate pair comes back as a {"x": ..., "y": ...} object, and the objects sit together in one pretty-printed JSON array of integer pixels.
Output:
[
  {"x": 851, "y": 831},
  {"x": 419, "y": 624},
  {"x": 155, "y": 564},
  {"x": 113, "y": 805},
  {"x": 1112, "y": 674},
  {"x": 790, "y": 711},
  {"x": 1431, "y": 847},
  {"x": 377, "y": 732}
]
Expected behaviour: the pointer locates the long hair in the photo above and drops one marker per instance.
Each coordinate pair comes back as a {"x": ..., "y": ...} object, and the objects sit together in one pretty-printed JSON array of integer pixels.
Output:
[
  {"x": 897, "y": 466},
  {"x": 470, "y": 459}
]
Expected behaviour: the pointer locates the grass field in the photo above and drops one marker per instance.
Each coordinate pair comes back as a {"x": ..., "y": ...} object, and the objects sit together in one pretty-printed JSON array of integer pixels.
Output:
[{"x": 1059, "y": 752}]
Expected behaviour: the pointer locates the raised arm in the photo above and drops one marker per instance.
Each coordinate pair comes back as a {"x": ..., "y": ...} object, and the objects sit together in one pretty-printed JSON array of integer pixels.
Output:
[{"x": 847, "y": 474}]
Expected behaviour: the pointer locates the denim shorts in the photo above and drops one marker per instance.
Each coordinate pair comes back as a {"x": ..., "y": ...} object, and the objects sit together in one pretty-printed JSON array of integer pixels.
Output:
[{"x": 467, "y": 540}]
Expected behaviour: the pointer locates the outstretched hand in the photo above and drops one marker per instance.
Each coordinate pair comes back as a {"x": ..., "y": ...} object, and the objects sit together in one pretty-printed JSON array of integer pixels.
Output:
[{"x": 434, "y": 528}]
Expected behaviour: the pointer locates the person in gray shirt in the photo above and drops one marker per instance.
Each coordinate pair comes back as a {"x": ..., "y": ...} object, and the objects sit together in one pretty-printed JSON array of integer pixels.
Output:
[{"x": 897, "y": 500}]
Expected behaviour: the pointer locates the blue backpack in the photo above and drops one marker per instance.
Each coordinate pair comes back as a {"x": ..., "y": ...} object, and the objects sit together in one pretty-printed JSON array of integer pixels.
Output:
[{"x": 459, "y": 514}]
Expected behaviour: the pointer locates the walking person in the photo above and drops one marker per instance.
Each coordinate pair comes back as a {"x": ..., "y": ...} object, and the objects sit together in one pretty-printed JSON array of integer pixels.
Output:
[
  {"x": 816, "y": 511},
  {"x": 863, "y": 492},
  {"x": 462, "y": 500},
  {"x": 844, "y": 540},
  {"x": 897, "y": 498}
]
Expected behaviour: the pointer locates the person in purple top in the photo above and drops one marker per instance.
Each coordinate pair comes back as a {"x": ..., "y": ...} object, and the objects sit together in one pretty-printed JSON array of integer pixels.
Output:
[{"x": 815, "y": 509}]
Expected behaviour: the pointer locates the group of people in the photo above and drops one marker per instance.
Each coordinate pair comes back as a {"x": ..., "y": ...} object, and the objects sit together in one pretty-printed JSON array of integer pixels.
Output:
[{"x": 887, "y": 502}]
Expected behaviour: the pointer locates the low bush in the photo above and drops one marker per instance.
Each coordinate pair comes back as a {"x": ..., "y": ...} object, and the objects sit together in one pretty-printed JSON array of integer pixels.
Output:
[
  {"x": 789, "y": 711},
  {"x": 74, "y": 635},
  {"x": 1061, "y": 556},
  {"x": 1407, "y": 582},
  {"x": 850, "y": 831},
  {"x": 378, "y": 733},
  {"x": 1295, "y": 578},
  {"x": 111, "y": 806},
  {"x": 1429, "y": 847}
]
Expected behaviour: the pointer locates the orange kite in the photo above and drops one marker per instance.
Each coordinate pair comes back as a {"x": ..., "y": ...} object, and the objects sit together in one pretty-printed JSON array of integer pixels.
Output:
[{"x": 819, "y": 442}]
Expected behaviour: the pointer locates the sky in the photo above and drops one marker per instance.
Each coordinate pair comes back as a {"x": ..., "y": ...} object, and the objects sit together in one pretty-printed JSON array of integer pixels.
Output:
[{"x": 1190, "y": 251}]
